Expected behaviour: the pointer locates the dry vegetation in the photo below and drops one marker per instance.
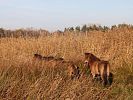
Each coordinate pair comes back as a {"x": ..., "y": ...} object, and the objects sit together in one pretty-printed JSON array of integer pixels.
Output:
[{"x": 21, "y": 78}]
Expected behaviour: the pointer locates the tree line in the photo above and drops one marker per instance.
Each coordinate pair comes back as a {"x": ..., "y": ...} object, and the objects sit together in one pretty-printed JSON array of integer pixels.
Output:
[
  {"x": 23, "y": 33},
  {"x": 88, "y": 28},
  {"x": 78, "y": 29}
]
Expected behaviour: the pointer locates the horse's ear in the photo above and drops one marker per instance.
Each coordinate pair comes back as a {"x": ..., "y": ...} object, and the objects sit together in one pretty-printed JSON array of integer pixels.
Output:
[
  {"x": 77, "y": 67},
  {"x": 35, "y": 55},
  {"x": 86, "y": 55}
]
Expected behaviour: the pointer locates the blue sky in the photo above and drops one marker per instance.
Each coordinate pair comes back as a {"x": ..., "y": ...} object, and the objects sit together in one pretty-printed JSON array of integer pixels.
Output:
[{"x": 57, "y": 14}]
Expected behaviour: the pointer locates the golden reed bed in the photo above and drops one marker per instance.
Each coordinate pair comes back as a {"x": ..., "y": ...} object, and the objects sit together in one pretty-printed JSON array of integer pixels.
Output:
[{"x": 20, "y": 80}]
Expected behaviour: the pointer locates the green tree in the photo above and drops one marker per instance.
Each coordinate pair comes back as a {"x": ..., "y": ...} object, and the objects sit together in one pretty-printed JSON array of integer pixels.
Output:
[
  {"x": 71, "y": 29},
  {"x": 113, "y": 27},
  {"x": 2, "y": 32},
  {"x": 84, "y": 28},
  {"x": 66, "y": 29},
  {"x": 77, "y": 29},
  {"x": 105, "y": 28},
  {"x": 100, "y": 28},
  {"x": 95, "y": 27}
]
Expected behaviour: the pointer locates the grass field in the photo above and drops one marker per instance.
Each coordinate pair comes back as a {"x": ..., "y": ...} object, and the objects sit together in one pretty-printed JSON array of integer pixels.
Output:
[{"x": 21, "y": 78}]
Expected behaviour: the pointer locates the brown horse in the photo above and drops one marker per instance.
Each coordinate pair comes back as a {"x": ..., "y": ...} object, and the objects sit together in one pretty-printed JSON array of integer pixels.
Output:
[{"x": 98, "y": 67}]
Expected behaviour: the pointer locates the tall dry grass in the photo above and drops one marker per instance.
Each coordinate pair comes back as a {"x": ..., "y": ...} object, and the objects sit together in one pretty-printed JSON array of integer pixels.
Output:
[{"x": 32, "y": 83}]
